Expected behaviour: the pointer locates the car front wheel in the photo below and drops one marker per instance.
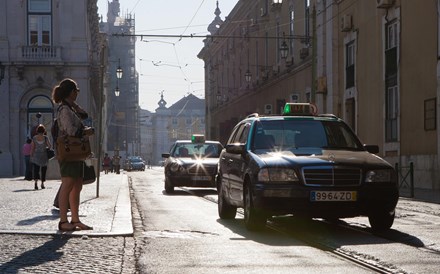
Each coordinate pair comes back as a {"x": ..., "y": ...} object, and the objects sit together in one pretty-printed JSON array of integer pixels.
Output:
[
  {"x": 253, "y": 219},
  {"x": 225, "y": 210},
  {"x": 169, "y": 188},
  {"x": 381, "y": 221}
]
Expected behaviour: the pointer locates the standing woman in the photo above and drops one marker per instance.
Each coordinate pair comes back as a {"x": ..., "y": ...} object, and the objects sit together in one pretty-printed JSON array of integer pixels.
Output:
[
  {"x": 39, "y": 159},
  {"x": 69, "y": 118}
]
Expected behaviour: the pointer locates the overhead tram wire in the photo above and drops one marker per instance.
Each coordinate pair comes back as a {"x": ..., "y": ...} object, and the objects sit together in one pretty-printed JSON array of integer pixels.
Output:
[{"x": 294, "y": 37}]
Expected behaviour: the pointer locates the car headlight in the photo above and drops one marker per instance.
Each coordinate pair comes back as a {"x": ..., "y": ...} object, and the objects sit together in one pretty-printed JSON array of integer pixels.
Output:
[
  {"x": 277, "y": 175},
  {"x": 175, "y": 167},
  {"x": 378, "y": 176}
]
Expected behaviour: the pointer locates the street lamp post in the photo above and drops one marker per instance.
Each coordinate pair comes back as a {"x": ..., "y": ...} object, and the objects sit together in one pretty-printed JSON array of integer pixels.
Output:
[
  {"x": 284, "y": 50},
  {"x": 119, "y": 73},
  {"x": 119, "y": 70}
]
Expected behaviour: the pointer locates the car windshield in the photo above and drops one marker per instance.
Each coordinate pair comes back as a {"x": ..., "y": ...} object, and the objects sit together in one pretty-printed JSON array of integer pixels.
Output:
[
  {"x": 136, "y": 160},
  {"x": 307, "y": 135},
  {"x": 196, "y": 150}
]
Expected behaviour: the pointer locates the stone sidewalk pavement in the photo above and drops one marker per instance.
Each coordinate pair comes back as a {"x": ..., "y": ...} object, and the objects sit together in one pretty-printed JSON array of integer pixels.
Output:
[{"x": 28, "y": 211}]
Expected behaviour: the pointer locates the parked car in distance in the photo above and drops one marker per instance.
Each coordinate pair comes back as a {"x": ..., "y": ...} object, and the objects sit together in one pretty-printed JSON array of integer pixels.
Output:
[
  {"x": 134, "y": 163},
  {"x": 191, "y": 163},
  {"x": 305, "y": 164}
]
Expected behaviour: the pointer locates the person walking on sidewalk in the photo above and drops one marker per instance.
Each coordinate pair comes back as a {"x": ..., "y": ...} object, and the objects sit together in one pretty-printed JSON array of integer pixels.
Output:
[
  {"x": 69, "y": 116},
  {"x": 27, "y": 147},
  {"x": 39, "y": 159},
  {"x": 116, "y": 162},
  {"x": 106, "y": 163}
]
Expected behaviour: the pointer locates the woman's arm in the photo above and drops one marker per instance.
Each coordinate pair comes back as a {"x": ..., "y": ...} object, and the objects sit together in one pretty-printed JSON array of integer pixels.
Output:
[
  {"x": 48, "y": 144},
  {"x": 32, "y": 147}
]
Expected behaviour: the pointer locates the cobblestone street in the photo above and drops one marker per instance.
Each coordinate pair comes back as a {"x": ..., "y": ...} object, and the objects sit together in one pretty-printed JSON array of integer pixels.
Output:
[{"x": 64, "y": 254}]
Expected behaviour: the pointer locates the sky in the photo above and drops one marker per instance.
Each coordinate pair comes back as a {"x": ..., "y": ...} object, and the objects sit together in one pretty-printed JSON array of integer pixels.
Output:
[{"x": 169, "y": 65}]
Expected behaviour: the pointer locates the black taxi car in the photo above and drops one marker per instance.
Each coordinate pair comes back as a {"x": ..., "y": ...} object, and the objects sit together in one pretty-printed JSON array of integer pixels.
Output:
[
  {"x": 191, "y": 163},
  {"x": 306, "y": 164}
]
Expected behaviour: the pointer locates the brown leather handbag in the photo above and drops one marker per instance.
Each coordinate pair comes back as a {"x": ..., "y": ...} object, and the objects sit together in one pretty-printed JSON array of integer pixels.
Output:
[{"x": 70, "y": 148}]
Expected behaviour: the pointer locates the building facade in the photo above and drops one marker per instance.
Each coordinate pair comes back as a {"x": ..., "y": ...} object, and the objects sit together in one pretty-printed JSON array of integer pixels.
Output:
[
  {"x": 372, "y": 63},
  {"x": 177, "y": 122},
  {"x": 244, "y": 69},
  {"x": 122, "y": 110},
  {"x": 41, "y": 43}
]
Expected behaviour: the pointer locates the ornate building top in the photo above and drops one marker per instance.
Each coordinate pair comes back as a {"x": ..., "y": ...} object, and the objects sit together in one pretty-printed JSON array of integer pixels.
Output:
[
  {"x": 162, "y": 103},
  {"x": 217, "y": 22}
]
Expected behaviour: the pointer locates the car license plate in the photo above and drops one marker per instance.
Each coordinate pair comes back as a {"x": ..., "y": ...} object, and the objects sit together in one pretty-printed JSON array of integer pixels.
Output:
[
  {"x": 333, "y": 196},
  {"x": 201, "y": 178}
]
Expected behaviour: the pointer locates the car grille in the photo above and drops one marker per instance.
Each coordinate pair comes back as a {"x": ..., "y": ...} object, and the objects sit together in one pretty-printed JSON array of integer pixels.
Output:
[
  {"x": 198, "y": 170},
  {"x": 332, "y": 176}
]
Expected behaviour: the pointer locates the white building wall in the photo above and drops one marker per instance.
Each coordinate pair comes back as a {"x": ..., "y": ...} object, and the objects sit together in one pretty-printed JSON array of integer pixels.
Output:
[{"x": 29, "y": 76}]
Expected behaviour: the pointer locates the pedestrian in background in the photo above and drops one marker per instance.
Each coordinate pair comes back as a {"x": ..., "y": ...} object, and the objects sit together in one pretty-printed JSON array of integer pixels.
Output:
[
  {"x": 39, "y": 145},
  {"x": 106, "y": 163},
  {"x": 69, "y": 119},
  {"x": 27, "y": 147},
  {"x": 116, "y": 161}
]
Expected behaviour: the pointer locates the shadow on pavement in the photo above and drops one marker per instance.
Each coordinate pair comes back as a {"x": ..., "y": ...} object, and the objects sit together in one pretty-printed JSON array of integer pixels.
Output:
[{"x": 37, "y": 256}]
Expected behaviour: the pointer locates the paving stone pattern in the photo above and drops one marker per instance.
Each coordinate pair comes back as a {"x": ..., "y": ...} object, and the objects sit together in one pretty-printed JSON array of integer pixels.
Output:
[{"x": 61, "y": 254}]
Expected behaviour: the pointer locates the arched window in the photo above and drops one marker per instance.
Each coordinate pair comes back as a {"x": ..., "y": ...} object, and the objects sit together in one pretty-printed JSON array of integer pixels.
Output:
[{"x": 40, "y": 111}]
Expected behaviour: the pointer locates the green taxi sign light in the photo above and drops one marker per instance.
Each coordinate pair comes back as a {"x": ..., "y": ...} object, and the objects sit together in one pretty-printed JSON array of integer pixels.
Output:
[
  {"x": 197, "y": 138},
  {"x": 300, "y": 109}
]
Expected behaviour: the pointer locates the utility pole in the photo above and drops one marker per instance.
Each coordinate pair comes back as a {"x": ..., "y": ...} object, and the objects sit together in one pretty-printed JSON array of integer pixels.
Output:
[{"x": 101, "y": 114}]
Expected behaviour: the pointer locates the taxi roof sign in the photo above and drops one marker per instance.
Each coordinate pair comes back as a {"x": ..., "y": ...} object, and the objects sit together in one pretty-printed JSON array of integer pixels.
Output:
[
  {"x": 197, "y": 138},
  {"x": 300, "y": 109}
]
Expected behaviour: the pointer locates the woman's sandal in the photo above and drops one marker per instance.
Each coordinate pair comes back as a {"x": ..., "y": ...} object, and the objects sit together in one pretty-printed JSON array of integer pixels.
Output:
[
  {"x": 81, "y": 226},
  {"x": 60, "y": 226}
]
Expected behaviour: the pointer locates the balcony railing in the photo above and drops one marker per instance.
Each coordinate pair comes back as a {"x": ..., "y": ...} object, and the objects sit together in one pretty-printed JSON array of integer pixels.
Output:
[{"x": 41, "y": 53}]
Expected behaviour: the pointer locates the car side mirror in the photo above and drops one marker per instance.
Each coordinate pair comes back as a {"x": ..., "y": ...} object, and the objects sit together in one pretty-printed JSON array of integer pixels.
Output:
[
  {"x": 235, "y": 148},
  {"x": 372, "y": 148},
  {"x": 165, "y": 155}
]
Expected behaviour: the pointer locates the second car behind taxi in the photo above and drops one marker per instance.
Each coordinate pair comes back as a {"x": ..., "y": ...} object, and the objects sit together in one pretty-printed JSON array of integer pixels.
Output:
[{"x": 191, "y": 163}]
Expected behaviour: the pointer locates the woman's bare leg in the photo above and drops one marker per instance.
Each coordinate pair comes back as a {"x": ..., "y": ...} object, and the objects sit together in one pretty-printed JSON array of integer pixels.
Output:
[
  {"x": 67, "y": 184},
  {"x": 74, "y": 199}
]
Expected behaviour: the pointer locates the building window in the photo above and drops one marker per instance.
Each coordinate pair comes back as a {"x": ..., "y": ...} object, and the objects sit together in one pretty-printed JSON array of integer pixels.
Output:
[
  {"x": 278, "y": 46},
  {"x": 391, "y": 49},
  {"x": 294, "y": 98},
  {"x": 307, "y": 21},
  {"x": 308, "y": 97},
  {"x": 430, "y": 112},
  {"x": 349, "y": 65},
  {"x": 39, "y": 22},
  {"x": 264, "y": 7},
  {"x": 174, "y": 121},
  {"x": 266, "y": 49},
  {"x": 391, "y": 84},
  {"x": 292, "y": 28},
  {"x": 392, "y": 110},
  {"x": 39, "y": 5},
  {"x": 280, "y": 106}
]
